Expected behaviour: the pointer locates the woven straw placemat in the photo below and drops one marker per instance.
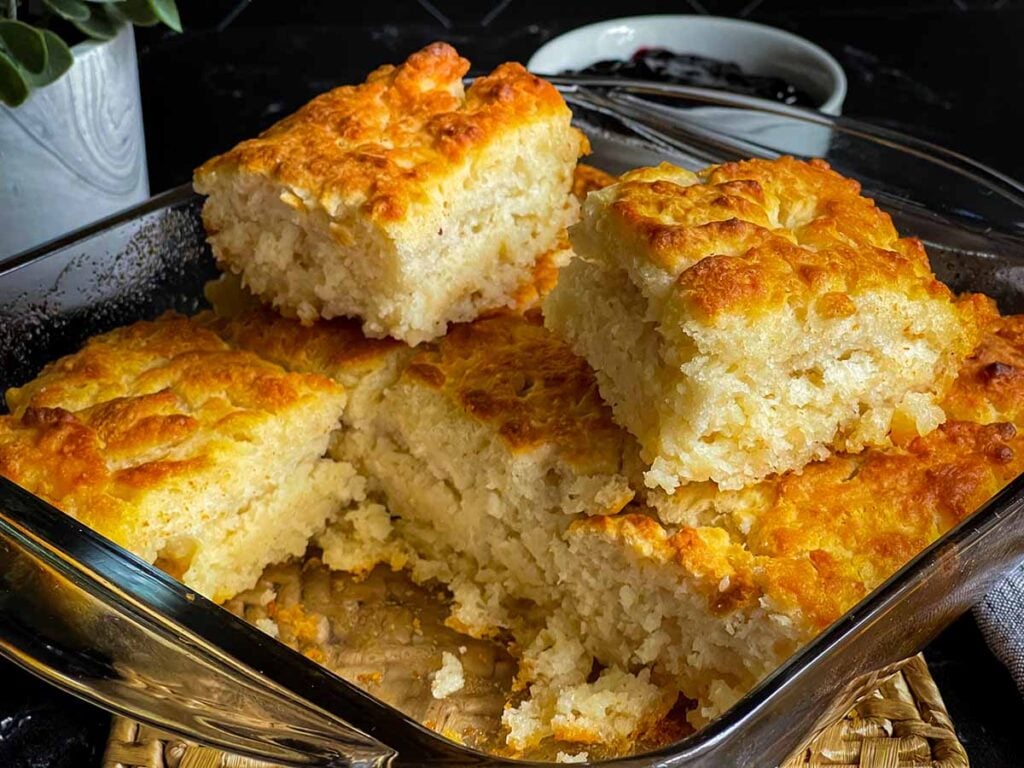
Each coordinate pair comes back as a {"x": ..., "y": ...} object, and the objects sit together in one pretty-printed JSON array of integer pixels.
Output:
[
  {"x": 388, "y": 634},
  {"x": 902, "y": 724}
]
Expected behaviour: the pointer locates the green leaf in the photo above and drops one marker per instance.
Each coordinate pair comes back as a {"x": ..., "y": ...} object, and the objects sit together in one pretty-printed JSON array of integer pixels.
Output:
[
  {"x": 72, "y": 10},
  {"x": 58, "y": 61},
  {"x": 167, "y": 12},
  {"x": 99, "y": 25},
  {"x": 24, "y": 44},
  {"x": 138, "y": 12},
  {"x": 13, "y": 88}
]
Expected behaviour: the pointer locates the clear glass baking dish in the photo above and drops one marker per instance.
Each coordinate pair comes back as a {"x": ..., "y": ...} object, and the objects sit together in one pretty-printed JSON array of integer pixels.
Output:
[{"x": 89, "y": 616}]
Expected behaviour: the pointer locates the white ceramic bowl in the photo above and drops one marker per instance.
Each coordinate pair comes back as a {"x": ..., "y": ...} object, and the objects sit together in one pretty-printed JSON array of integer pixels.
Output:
[{"x": 758, "y": 49}]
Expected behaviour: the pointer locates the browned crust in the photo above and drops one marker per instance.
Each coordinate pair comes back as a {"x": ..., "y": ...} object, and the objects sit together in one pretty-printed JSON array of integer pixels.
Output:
[
  {"x": 857, "y": 520},
  {"x": 753, "y": 235},
  {"x": 990, "y": 385},
  {"x": 587, "y": 179},
  {"x": 506, "y": 371},
  {"x": 333, "y": 348},
  {"x": 830, "y": 535},
  {"x": 379, "y": 143}
]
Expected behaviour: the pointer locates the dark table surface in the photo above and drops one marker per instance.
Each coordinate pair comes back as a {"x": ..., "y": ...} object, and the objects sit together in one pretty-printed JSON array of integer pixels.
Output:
[{"x": 948, "y": 71}]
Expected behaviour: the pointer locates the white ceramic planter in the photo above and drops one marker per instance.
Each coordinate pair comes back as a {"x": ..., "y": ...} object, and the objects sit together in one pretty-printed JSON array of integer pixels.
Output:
[{"x": 74, "y": 152}]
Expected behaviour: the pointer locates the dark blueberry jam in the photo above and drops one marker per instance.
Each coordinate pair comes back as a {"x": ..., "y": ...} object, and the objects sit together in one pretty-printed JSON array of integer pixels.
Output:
[{"x": 686, "y": 69}]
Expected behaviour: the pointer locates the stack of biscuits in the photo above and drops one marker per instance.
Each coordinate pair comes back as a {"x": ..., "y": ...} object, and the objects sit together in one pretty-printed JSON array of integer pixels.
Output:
[{"x": 658, "y": 453}]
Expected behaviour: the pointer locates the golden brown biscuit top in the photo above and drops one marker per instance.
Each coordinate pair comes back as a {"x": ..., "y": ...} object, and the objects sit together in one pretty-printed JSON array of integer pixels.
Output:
[
  {"x": 750, "y": 236},
  {"x": 172, "y": 353},
  {"x": 56, "y": 456},
  {"x": 898, "y": 501},
  {"x": 335, "y": 348},
  {"x": 990, "y": 385},
  {"x": 858, "y": 519},
  {"x": 141, "y": 407},
  {"x": 512, "y": 374},
  {"x": 378, "y": 144}
]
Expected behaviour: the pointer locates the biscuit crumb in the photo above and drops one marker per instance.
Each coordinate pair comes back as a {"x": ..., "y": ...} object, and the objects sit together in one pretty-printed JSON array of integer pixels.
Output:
[
  {"x": 565, "y": 757},
  {"x": 269, "y": 626},
  {"x": 449, "y": 678}
]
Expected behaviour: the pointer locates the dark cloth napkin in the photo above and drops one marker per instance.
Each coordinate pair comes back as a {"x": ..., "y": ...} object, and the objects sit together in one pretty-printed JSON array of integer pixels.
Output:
[{"x": 1000, "y": 615}]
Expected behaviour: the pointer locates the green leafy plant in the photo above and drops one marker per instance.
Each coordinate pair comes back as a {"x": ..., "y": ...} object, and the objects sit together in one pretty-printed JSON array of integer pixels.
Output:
[{"x": 33, "y": 51}]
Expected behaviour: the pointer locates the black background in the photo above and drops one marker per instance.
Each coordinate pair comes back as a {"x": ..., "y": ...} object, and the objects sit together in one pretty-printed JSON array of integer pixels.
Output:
[{"x": 946, "y": 71}]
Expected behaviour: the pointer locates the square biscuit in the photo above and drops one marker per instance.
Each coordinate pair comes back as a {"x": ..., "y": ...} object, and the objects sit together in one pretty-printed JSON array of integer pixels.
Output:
[
  {"x": 755, "y": 317},
  {"x": 206, "y": 460},
  {"x": 408, "y": 201}
]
